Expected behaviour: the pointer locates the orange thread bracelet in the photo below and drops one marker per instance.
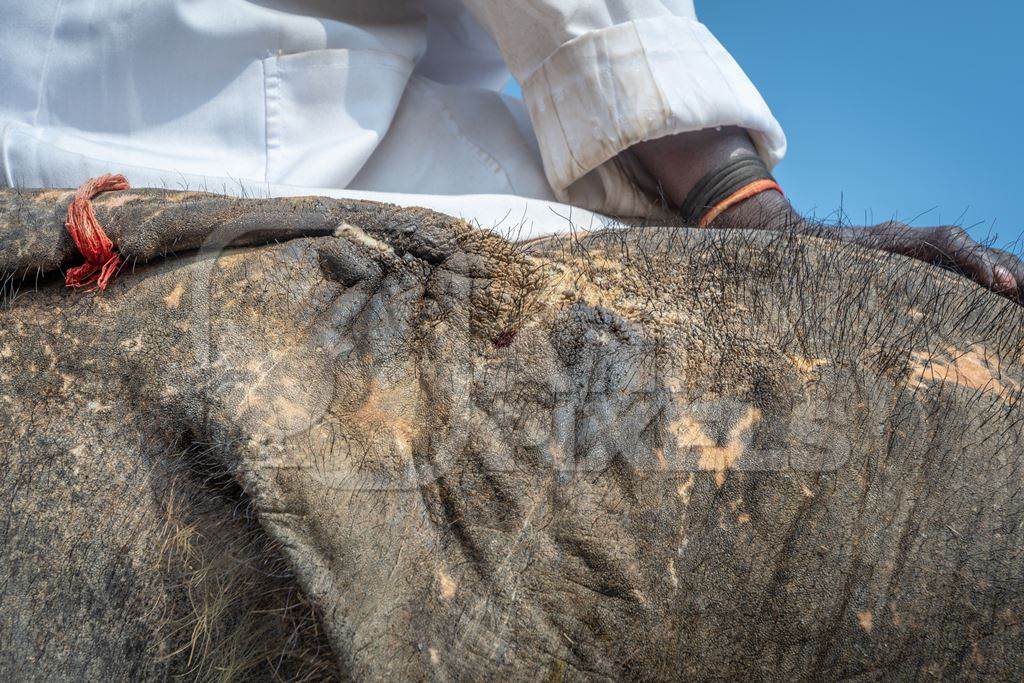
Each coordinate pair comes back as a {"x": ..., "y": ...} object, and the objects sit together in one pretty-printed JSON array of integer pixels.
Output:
[{"x": 742, "y": 194}]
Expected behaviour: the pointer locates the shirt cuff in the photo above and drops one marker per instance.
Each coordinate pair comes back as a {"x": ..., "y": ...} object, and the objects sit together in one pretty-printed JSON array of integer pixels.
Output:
[{"x": 608, "y": 89}]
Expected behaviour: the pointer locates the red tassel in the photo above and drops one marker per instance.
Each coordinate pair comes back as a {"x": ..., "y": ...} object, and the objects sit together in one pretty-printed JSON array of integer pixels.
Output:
[{"x": 101, "y": 262}]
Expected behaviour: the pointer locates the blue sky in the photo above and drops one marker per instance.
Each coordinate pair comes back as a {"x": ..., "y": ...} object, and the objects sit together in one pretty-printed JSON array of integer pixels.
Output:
[{"x": 896, "y": 108}]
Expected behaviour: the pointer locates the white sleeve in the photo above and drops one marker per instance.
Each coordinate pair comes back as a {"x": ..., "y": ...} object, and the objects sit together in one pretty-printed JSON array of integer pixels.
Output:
[{"x": 601, "y": 75}]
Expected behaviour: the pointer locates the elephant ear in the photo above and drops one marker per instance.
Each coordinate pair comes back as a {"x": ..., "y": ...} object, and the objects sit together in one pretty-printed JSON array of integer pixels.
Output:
[
  {"x": 339, "y": 390},
  {"x": 209, "y": 341}
]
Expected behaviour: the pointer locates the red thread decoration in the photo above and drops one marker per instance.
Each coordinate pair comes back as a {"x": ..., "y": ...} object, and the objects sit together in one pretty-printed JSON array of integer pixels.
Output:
[{"x": 101, "y": 262}]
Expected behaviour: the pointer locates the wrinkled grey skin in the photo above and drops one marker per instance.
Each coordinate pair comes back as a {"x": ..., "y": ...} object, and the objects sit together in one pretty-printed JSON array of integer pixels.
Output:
[{"x": 644, "y": 453}]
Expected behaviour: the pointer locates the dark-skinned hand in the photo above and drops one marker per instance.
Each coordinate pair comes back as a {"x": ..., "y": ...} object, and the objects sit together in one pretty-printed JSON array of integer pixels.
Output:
[{"x": 672, "y": 166}]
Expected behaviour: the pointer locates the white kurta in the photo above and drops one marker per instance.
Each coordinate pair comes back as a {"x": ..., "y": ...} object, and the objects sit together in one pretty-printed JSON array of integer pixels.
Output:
[{"x": 383, "y": 99}]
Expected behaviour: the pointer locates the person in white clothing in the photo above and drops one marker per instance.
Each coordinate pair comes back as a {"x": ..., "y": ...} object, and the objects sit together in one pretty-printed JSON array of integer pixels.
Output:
[{"x": 631, "y": 108}]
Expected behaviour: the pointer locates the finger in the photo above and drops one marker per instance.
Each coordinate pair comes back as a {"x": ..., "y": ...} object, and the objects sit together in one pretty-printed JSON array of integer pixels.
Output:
[
  {"x": 990, "y": 274},
  {"x": 991, "y": 268},
  {"x": 980, "y": 264},
  {"x": 1005, "y": 282},
  {"x": 986, "y": 271},
  {"x": 1015, "y": 267}
]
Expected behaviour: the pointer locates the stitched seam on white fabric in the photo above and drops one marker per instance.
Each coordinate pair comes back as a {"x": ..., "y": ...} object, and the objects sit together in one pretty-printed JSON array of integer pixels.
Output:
[
  {"x": 271, "y": 112},
  {"x": 5, "y": 150},
  {"x": 484, "y": 155},
  {"x": 347, "y": 67},
  {"x": 353, "y": 54},
  {"x": 666, "y": 110},
  {"x": 266, "y": 141},
  {"x": 46, "y": 62},
  {"x": 350, "y": 57},
  {"x": 267, "y": 114},
  {"x": 561, "y": 128}
]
